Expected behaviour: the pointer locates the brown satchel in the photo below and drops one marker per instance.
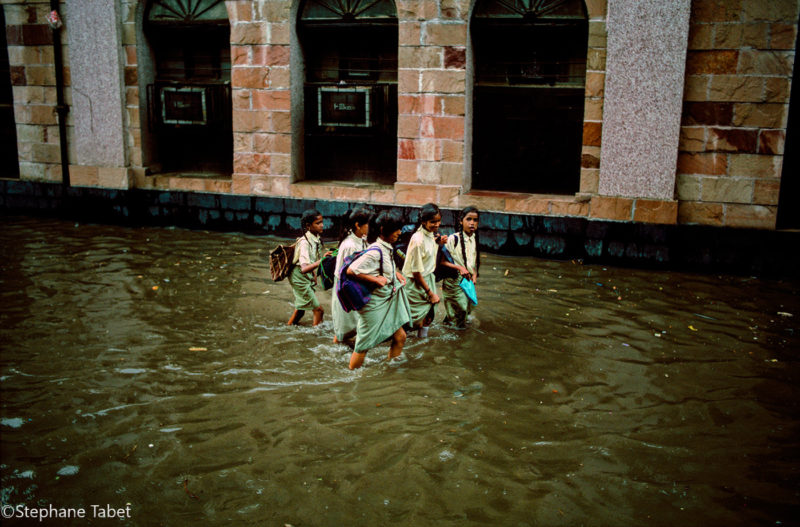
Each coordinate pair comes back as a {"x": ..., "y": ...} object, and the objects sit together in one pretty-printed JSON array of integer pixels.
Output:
[{"x": 280, "y": 261}]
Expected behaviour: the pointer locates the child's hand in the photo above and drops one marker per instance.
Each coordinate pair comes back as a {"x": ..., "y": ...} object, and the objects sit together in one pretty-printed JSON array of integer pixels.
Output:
[
  {"x": 401, "y": 279},
  {"x": 441, "y": 240},
  {"x": 327, "y": 253},
  {"x": 382, "y": 280},
  {"x": 433, "y": 298},
  {"x": 463, "y": 272}
]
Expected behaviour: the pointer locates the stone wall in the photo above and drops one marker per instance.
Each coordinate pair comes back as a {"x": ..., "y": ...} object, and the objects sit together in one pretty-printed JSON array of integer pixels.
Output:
[
  {"x": 736, "y": 103},
  {"x": 732, "y": 129},
  {"x": 262, "y": 98},
  {"x": 684, "y": 247},
  {"x": 30, "y": 54}
]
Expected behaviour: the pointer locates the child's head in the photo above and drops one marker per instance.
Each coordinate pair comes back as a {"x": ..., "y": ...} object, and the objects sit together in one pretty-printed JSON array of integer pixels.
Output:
[
  {"x": 358, "y": 221},
  {"x": 430, "y": 217},
  {"x": 311, "y": 221},
  {"x": 468, "y": 219},
  {"x": 388, "y": 225}
]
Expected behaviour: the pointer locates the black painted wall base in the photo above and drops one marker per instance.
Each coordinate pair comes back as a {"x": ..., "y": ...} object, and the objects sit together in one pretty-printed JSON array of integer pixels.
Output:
[{"x": 680, "y": 247}]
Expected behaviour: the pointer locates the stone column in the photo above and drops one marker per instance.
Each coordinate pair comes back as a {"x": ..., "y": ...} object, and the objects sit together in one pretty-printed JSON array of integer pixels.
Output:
[
  {"x": 431, "y": 91},
  {"x": 96, "y": 71},
  {"x": 646, "y": 63}
]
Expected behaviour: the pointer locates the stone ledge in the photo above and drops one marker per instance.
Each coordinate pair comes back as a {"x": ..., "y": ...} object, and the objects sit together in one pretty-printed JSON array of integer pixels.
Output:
[{"x": 629, "y": 243}]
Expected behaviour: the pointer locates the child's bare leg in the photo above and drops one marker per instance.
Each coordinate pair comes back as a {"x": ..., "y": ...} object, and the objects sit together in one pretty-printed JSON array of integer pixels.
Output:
[
  {"x": 356, "y": 360},
  {"x": 318, "y": 314},
  {"x": 348, "y": 339},
  {"x": 398, "y": 341},
  {"x": 295, "y": 318}
]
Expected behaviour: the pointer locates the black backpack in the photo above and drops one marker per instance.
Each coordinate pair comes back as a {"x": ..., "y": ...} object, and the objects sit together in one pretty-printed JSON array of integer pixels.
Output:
[{"x": 327, "y": 268}]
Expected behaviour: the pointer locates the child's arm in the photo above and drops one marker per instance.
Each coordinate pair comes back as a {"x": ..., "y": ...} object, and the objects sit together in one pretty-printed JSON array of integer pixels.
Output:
[
  {"x": 309, "y": 267},
  {"x": 312, "y": 266},
  {"x": 377, "y": 281},
  {"x": 433, "y": 298},
  {"x": 461, "y": 270}
]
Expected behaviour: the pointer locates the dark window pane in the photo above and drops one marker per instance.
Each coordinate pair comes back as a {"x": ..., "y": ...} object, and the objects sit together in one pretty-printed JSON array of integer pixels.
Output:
[
  {"x": 530, "y": 72},
  {"x": 350, "y": 52}
]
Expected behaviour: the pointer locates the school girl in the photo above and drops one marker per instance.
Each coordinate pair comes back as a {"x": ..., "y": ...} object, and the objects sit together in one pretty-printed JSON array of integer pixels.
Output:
[
  {"x": 307, "y": 257},
  {"x": 387, "y": 310},
  {"x": 419, "y": 266},
  {"x": 463, "y": 247},
  {"x": 344, "y": 324}
]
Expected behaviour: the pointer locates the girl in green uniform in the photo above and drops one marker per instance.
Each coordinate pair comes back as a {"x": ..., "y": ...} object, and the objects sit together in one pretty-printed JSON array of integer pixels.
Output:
[
  {"x": 344, "y": 324},
  {"x": 307, "y": 256},
  {"x": 419, "y": 266},
  {"x": 387, "y": 310},
  {"x": 463, "y": 247}
]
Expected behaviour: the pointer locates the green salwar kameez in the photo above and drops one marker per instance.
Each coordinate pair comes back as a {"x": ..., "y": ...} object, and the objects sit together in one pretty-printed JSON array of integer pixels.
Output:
[
  {"x": 387, "y": 309},
  {"x": 307, "y": 250}
]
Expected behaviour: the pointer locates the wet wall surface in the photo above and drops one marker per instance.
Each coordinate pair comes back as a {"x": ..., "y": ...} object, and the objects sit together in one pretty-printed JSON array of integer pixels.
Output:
[
  {"x": 651, "y": 246},
  {"x": 151, "y": 368}
]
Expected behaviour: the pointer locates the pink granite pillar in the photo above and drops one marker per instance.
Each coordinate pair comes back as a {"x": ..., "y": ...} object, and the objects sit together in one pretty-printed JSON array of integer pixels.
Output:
[{"x": 646, "y": 64}]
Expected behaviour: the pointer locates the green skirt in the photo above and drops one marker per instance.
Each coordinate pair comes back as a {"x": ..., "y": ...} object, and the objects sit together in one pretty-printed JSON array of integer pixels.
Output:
[
  {"x": 343, "y": 322},
  {"x": 385, "y": 313},
  {"x": 418, "y": 300},
  {"x": 303, "y": 286},
  {"x": 456, "y": 304}
]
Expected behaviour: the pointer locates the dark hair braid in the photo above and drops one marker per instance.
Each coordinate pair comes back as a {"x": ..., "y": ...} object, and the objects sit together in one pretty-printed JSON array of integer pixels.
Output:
[{"x": 466, "y": 210}]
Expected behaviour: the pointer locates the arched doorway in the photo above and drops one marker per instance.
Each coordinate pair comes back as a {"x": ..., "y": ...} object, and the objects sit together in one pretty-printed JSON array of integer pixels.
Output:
[
  {"x": 528, "y": 96},
  {"x": 350, "y": 90},
  {"x": 189, "y": 102}
]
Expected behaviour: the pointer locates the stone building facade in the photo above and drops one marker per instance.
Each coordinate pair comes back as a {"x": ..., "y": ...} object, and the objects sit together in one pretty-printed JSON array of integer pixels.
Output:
[{"x": 685, "y": 108}]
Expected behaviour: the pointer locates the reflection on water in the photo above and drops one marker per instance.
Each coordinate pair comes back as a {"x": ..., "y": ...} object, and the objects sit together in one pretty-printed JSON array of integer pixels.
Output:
[{"x": 152, "y": 367}]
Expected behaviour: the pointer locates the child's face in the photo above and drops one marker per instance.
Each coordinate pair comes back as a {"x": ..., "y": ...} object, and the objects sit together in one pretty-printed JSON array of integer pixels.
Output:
[
  {"x": 361, "y": 229},
  {"x": 470, "y": 223},
  {"x": 432, "y": 225},
  {"x": 316, "y": 226},
  {"x": 393, "y": 237}
]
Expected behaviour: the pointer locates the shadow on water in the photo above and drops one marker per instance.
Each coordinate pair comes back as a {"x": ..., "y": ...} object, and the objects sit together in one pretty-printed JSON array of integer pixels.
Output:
[{"x": 152, "y": 367}]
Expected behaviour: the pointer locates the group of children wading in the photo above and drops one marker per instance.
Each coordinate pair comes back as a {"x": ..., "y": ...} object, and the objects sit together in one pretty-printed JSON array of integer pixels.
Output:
[{"x": 401, "y": 281}]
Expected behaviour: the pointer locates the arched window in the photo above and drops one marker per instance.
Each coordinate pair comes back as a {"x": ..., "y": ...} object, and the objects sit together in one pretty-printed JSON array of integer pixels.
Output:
[
  {"x": 189, "y": 103},
  {"x": 530, "y": 70},
  {"x": 350, "y": 91}
]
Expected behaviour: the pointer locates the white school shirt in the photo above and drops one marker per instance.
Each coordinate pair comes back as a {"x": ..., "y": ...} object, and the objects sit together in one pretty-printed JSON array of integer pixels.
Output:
[
  {"x": 421, "y": 254},
  {"x": 369, "y": 263},
  {"x": 469, "y": 246},
  {"x": 308, "y": 249},
  {"x": 350, "y": 245}
]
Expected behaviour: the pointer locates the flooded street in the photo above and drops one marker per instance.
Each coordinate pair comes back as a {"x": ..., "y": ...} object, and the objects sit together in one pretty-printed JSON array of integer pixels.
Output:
[{"x": 152, "y": 367}]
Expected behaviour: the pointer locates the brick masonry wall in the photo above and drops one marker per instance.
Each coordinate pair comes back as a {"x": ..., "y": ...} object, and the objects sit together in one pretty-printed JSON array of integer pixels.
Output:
[
  {"x": 30, "y": 53},
  {"x": 132, "y": 116},
  {"x": 739, "y": 66},
  {"x": 738, "y": 78},
  {"x": 432, "y": 70},
  {"x": 595, "y": 90},
  {"x": 260, "y": 80}
]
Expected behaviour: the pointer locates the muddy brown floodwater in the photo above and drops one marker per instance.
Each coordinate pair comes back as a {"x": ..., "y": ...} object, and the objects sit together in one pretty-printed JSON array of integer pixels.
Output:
[{"x": 150, "y": 368}]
